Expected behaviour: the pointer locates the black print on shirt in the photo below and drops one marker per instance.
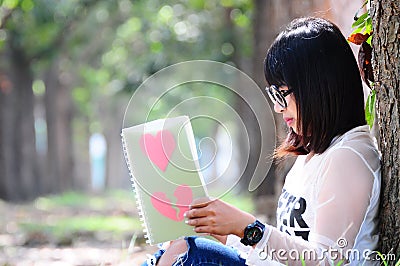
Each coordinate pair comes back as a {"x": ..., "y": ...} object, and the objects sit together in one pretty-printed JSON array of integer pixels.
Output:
[{"x": 290, "y": 211}]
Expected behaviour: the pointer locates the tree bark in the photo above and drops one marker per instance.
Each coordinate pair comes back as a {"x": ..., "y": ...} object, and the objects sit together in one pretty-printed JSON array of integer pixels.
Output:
[
  {"x": 82, "y": 178},
  {"x": 7, "y": 104},
  {"x": 116, "y": 173},
  {"x": 24, "y": 129},
  {"x": 59, "y": 112},
  {"x": 270, "y": 18},
  {"x": 3, "y": 181},
  {"x": 386, "y": 65},
  {"x": 265, "y": 30},
  {"x": 18, "y": 149}
]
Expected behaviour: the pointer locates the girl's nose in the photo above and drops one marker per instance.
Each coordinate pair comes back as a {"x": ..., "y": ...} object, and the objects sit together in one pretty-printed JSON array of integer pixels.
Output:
[{"x": 278, "y": 108}]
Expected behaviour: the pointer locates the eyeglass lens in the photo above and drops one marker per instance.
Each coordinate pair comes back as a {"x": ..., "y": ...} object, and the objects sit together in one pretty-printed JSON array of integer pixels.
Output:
[{"x": 276, "y": 96}]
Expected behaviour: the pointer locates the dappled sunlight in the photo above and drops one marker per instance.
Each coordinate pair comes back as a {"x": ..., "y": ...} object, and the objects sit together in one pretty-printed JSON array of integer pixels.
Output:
[
  {"x": 72, "y": 229},
  {"x": 86, "y": 255}
]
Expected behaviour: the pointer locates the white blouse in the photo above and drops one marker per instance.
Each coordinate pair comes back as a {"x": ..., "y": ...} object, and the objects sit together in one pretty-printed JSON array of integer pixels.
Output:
[{"x": 328, "y": 208}]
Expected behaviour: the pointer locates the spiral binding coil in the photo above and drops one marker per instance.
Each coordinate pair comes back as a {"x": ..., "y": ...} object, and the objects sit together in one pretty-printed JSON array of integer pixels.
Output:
[{"x": 139, "y": 201}]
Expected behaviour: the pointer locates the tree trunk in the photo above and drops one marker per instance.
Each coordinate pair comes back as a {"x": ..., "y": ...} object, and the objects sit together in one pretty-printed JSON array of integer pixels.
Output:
[
  {"x": 82, "y": 178},
  {"x": 386, "y": 65},
  {"x": 52, "y": 177},
  {"x": 7, "y": 106},
  {"x": 24, "y": 129},
  {"x": 116, "y": 171},
  {"x": 19, "y": 168},
  {"x": 270, "y": 18},
  {"x": 3, "y": 178},
  {"x": 265, "y": 30},
  {"x": 59, "y": 111}
]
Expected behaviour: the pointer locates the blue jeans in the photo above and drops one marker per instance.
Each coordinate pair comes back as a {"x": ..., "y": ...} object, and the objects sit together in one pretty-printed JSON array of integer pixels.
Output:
[{"x": 204, "y": 252}]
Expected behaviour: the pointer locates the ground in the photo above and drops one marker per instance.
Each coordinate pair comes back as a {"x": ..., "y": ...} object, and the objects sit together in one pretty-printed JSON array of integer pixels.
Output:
[
  {"x": 60, "y": 231},
  {"x": 78, "y": 229}
]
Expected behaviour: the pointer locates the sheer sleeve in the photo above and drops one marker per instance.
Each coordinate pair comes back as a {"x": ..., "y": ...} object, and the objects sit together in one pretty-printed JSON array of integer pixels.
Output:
[{"x": 345, "y": 185}]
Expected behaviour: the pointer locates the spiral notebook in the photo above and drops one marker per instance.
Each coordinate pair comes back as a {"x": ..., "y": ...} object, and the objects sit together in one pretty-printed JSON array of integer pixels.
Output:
[{"x": 162, "y": 160}]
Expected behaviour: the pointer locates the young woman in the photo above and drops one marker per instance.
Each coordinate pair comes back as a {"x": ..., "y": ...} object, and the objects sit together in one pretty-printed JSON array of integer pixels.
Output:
[{"x": 328, "y": 207}]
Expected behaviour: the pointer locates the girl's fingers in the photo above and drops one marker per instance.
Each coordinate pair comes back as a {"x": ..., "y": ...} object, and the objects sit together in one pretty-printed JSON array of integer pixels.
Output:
[
  {"x": 202, "y": 229},
  {"x": 198, "y": 221},
  {"x": 200, "y": 202},
  {"x": 196, "y": 213}
]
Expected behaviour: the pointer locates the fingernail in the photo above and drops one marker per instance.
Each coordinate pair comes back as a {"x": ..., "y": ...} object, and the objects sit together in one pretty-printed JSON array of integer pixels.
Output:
[{"x": 185, "y": 214}]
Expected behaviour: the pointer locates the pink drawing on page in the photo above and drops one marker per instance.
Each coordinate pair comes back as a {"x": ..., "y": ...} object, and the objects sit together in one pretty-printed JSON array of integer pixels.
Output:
[
  {"x": 158, "y": 148},
  {"x": 163, "y": 204}
]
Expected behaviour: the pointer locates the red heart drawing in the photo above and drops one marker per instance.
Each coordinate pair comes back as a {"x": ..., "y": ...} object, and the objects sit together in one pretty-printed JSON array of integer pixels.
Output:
[
  {"x": 159, "y": 148},
  {"x": 163, "y": 204}
]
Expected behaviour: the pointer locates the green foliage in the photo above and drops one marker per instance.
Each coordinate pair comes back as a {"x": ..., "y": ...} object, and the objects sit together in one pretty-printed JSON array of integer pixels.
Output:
[
  {"x": 74, "y": 225},
  {"x": 107, "y": 48},
  {"x": 32, "y": 25},
  {"x": 243, "y": 202},
  {"x": 96, "y": 214},
  {"x": 370, "y": 108},
  {"x": 362, "y": 33},
  {"x": 38, "y": 87},
  {"x": 77, "y": 199},
  {"x": 340, "y": 263},
  {"x": 70, "y": 199},
  {"x": 382, "y": 258},
  {"x": 362, "y": 23},
  {"x": 10, "y": 4},
  {"x": 386, "y": 259},
  {"x": 92, "y": 214},
  {"x": 362, "y": 27},
  {"x": 303, "y": 262}
]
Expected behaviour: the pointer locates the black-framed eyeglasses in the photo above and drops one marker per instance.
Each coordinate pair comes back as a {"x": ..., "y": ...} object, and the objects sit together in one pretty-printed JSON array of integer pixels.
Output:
[{"x": 278, "y": 96}]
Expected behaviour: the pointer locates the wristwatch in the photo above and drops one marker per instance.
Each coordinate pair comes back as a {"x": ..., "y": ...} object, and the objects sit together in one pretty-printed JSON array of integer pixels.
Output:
[{"x": 253, "y": 233}]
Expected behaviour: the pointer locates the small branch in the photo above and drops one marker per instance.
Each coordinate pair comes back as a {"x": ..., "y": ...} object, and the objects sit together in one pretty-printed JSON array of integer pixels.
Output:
[{"x": 7, "y": 14}]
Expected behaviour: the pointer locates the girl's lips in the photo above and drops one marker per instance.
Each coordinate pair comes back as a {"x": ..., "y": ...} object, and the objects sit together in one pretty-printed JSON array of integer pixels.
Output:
[{"x": 288, "y": 121}]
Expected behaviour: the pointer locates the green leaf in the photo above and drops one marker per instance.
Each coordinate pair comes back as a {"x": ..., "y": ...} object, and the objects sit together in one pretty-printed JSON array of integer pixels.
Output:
[
  {"x": 227, "y": 3},
  {"x": 357, "y": 30},
  {"x": 303, "y": 262},
  {"x": 368, "y": 25},
  {"x": 370, "y": 108},
  {"x": 360, "y": 20},
  {"x": 382, "y": 258},
  {"x": 369, "y": 40},
  {"x": 340, "y": 263},
  {"x": 27, "y": 5},
  {"x": 10, "y": 4}
]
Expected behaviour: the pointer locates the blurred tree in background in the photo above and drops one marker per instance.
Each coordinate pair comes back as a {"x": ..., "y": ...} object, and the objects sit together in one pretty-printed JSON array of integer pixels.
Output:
[{"x": 68, "y": 69}]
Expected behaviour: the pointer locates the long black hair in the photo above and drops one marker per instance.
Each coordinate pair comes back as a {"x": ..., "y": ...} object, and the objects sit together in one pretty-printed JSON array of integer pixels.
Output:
[{"x": 313, "y": 58}]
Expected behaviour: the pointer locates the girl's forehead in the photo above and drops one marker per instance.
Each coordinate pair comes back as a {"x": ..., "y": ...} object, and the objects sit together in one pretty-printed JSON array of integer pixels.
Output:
[{"x": 283, "y": 88}]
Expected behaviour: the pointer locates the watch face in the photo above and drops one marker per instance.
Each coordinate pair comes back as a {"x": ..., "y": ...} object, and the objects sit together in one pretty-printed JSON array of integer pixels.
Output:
[{"x": 254, "y": 234}]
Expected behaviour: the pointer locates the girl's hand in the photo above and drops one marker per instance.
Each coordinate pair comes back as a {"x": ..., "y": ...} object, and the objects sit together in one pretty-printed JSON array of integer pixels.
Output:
[{"x": 216, "y": 217}]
